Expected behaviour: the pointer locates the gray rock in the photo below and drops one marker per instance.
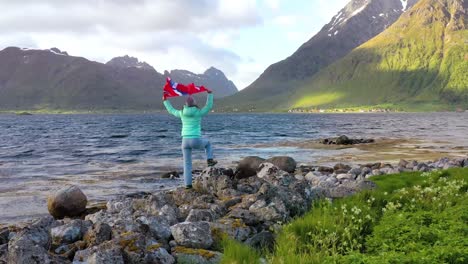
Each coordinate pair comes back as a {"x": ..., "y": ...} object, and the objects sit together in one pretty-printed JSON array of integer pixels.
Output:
[
  {"x": 212, "y": 181},
  {"x": 386, "y": 170},
  {"x": 341, "y": 168},
  {"x": 69, "y": 201},
  {"x": 99, "y": 233},
  {"x": 100, "y": 216},
  {"x": 284, "y": 163},
  {"x": 197, "y": 215},
  {"x": 411, "y": 164},
  {"x": 192, "y": 234},
  {"x": 159, "y": 255},
  {"x": 326, "y": 184},
  {"x": 325, "y": 170},
  {"x": 105, "y": 253},
  {"x": 3, "y": 253},
  {"x": 274, "y": 175},
  {"x": 355, "y": 171},
  {"x": 341, "y": 191},
  {"x": 169, "y": 213},
  {"x": 299, "y": 177},
  {"x": 68, "y": 233},
  {"x": 188, "y": 255},
  {"x": 247, "y": 216},
  {"x": 402, "y": 163},
  {"x": 465, "y": 163},
  {"x": 158, "y": 201},
  {"x": 262, "y": 240},
  {"x": 158, "y": 227},
  {"x": 231, "y": 202},
  {"x": 25, "y": 251},
  {"x": 234, "y": 228},
  {"x": 315, "y": 177},
  {"x": 116, "y": 206},
  {"x": 248, "y": 166},
  {"x": 366, "y": 171},
  {"x": 345, "y": 176},
  {"x": 376, "y": 172},
  {"x": 423, "y": 167},
  {"x": 273, "y": 212}
]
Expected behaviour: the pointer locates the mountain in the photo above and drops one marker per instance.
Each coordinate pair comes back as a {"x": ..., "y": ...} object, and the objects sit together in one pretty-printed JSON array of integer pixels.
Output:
[
  {"x": 356, "y": 23},
  {"x": 419, "y": 63},
  {"x": 52, "y": 79},
  {"x": 129, "y": 62},
  {"x": 212, "y": 77}
]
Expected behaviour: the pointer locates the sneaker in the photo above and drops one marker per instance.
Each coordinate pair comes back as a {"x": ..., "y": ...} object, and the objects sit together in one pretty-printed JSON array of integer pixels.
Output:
[
  {"x": 211, "y": 162},
  {"x": 187, "y": 187}
]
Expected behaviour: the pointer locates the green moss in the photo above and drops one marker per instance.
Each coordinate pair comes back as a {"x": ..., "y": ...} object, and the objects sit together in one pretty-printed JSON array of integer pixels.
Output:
[
  {"x": 153, "y": 247},
  {"x": 128, "y": 241},
  {"x": 193, "y": 251}
]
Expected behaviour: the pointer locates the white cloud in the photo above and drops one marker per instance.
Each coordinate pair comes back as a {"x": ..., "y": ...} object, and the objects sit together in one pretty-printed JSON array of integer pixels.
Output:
[
  {"x": 272, "y": 4},
  {"x": 286, "y": 20}
]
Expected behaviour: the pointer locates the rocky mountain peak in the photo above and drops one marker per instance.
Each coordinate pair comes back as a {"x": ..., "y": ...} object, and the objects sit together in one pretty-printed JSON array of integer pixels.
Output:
[
  {"x": 129, "y": 62},
  {"x": 213, "y": 72},
  {"x": 58, "y": 52}
]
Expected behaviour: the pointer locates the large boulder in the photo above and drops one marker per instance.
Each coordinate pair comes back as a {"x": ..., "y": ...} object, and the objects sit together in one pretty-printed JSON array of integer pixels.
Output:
[
  {"x": 285, "y": 163},
  {"x": 69, "y": 201},
  {"x": 192, "y": 234},
  {"x": 248, "y": 166}
]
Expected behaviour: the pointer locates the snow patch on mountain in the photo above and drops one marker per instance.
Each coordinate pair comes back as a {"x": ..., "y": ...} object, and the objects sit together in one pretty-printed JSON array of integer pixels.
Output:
[{"x": 404, "y": 3}]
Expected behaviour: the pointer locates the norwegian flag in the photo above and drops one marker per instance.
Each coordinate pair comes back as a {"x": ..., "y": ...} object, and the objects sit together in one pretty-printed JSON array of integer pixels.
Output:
[{"x": 173, "y": 89}]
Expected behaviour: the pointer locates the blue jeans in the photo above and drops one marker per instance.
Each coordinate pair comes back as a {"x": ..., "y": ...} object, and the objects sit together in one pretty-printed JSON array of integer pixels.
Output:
[{"x": 188, "y": 144}]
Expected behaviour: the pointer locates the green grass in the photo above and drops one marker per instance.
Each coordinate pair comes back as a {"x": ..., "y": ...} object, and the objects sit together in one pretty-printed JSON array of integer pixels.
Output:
[
  {"x": 410, "y": 218},
  {"x": 236, "y": 252}
]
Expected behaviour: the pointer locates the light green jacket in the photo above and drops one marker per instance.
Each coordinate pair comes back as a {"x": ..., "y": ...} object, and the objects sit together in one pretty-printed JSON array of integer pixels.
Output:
[{"x": 191, "y": 117}]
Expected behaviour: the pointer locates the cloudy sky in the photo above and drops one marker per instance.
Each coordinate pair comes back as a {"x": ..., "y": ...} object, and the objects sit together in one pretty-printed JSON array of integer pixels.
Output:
[{"x": 240, "y": 37}]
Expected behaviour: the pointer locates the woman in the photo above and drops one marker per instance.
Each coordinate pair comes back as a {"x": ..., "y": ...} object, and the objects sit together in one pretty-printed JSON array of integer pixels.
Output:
[{"x": 191, "y": 133}]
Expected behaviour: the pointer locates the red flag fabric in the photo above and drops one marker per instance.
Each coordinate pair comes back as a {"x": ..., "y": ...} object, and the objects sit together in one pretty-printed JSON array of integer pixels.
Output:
[{"x": 173, "y": 89}]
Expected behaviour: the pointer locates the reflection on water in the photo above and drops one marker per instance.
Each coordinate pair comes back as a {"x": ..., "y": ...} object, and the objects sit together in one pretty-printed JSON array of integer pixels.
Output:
[{"x": 108, "y": 155}]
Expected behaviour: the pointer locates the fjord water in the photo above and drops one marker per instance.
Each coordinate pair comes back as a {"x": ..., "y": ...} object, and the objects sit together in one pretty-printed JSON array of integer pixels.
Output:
[{"x": 108, "y": 155}]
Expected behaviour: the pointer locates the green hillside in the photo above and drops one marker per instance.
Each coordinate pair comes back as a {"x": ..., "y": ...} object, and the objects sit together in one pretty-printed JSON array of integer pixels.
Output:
[{"x": 419, "y": 63}]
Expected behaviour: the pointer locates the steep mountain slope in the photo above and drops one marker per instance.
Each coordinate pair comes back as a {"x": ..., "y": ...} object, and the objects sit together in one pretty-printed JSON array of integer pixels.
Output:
[
  {"x": 51, "y": 79},
  {"x": 420, "y": 61},
  {"x": 212, "y": 77},
  {"x": 356, "y": 23}
]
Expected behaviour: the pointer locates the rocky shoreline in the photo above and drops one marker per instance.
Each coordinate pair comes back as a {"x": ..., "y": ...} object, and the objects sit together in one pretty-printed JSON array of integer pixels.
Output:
[{"x": 186, "y": 226}]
